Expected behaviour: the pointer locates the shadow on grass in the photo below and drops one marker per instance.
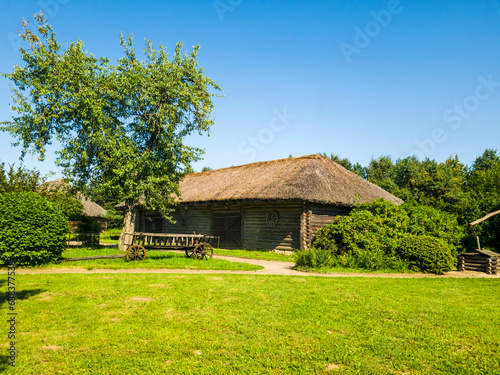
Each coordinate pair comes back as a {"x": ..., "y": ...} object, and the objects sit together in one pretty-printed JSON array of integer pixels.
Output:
[
  {"x": 20, "y": 295},
  {"x": 4, "y": 363},
  {"x": 165, "y": 255},
  {"x": 88, "y": 247},
  {"x": 4, "y": 299}
]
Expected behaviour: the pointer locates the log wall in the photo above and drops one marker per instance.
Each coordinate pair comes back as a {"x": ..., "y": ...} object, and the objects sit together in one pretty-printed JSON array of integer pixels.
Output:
[
  {"x": 284, "y": 236},
  {"x": 295, "y": 229},
  {"x": 320, "y": 215},
  {"x": 477, "y": 262},
  {"x": 189, "y": 220}
]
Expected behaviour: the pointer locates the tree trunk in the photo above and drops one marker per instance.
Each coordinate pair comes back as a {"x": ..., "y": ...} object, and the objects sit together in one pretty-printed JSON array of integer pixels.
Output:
[{"x": 128, "y": 225}]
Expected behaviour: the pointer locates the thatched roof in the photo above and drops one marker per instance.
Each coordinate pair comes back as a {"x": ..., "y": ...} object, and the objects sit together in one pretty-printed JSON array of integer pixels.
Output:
[
  {"x": 312, "y": 178},
  {"x": 89, "y": 208}
]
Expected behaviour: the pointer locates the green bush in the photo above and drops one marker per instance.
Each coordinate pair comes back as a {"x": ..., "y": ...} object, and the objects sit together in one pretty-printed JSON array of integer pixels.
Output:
[
  {"x": 371, "y": 235},
  {"x": 425, "y": 220},
  {"x": 313, "y": 258},
  {"x": 32, "y": 230},
  {"x": 377, "y": 226},
  {"x": 70, "y": 206},
  {"x": 114, "y": 218},
  {"x": 426, "y": 253}
]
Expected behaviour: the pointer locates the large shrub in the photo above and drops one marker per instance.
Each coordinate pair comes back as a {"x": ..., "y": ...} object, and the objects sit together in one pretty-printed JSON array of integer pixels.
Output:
[
  {"x": 32, "y": 230},
  {"x": 370, "y": 237},
  {"x": 377, "y": 226},
  {"x": 425, "y": 220},
  {"x": 426, "y": 253}
]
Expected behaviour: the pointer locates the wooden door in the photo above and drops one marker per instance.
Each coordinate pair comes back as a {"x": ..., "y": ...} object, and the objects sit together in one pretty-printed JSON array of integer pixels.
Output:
[
  {"x": 153, "y": 224},
  {"x": 228, "y": 228}
]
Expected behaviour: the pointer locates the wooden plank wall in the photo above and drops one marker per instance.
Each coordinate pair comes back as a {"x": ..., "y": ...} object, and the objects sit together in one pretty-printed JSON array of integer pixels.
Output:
[
  {"x": 296, "y": 227},
  {"x": 190, "y": 220},
  {"x": 320, "y": 215},
  {"x": 255, "y": 233},
  {"x": 139, "y": 221},
  {"x": 284, "y": 236}
]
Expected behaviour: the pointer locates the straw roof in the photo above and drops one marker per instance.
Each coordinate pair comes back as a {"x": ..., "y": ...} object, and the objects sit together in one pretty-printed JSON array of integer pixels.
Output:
[
  {"x": 312, "y": 178},
  {"x": 89, "y": 208}
]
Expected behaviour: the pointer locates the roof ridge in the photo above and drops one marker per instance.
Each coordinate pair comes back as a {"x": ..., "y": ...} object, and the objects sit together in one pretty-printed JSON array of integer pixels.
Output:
[{"x": 275, "y": 161}]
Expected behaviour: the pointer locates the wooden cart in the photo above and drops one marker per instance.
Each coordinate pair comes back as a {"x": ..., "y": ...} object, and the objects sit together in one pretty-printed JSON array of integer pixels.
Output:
[{"x": 196, "y": 246}]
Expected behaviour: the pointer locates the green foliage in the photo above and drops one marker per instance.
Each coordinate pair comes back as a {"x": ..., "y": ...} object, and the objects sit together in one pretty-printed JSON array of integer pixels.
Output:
[
  {"x": 20, "y": 179},
  {"x": 114, "y": 218},
  {"x": 121, "y": 127},
  {"x": 25, "y": 180},
  {"x": 370, "y": 259},
  {"x": 32, "y": 229},
  {"x": 426, "y": 253},
  {"x": 381, "y": 172},
  {"x": 468, "y": 193},
  {"x": 69, "y": 205},
  {"x": 378, "y": 225},
  {"x": 425, "y": 220},
  {"x": 355, "y": 168},
  {"x": 314, "y": 258},
  {"x": 87, "y": 224},
  {"x": 370, "y": 237},
  {"x": 484, "y": 184}
]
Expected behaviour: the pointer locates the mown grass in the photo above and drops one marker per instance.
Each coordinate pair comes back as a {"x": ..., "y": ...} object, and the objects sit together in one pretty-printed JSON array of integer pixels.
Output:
[
  {"x": 349, "y": 270},
  {"x": 110, "y": 236},
  {"x": 154, "y": 260},
  {"x": 228, "y": 324},
  {"x": 266, "y": 255}
]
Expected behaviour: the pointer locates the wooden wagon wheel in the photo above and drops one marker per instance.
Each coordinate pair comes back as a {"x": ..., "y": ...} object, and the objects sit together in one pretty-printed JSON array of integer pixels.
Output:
[
  {"x": 203, "y": 251},
  {"x": 135, "y": 252},
  {"x": 190, "y": 253}
]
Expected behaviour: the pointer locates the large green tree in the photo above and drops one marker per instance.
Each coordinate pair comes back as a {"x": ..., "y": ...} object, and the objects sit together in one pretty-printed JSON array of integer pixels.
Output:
[
  {"x": 121, "y": 127},
  {"x": 483, "y": 181}
]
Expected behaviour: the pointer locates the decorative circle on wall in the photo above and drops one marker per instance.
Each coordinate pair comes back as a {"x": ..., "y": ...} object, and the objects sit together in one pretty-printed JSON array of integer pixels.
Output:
[{"x": 272, "y": 218}]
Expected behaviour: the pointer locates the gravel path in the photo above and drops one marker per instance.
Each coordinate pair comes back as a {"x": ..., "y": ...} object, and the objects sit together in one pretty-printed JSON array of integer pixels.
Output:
[{"x": 270, "y": 268}]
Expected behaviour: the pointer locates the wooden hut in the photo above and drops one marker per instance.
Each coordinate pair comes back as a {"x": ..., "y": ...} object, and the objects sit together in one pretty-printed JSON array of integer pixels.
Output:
[
  {"x": 90, "y": 208},
  {"x": 272, "y": 205}
]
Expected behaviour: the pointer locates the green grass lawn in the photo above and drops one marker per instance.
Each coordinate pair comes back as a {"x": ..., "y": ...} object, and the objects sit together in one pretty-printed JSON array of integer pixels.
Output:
[
  {"x": 266, "y": 255},
  {"x": 232, "y": 324},
  {"x": 348, "y": 270},
  {"x": 110, "y": 236},
  {"x": 154, "y": 260}
]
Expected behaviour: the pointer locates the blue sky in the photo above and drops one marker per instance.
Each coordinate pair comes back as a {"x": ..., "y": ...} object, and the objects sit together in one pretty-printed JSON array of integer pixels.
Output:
[{"x": 356, "y": 78}]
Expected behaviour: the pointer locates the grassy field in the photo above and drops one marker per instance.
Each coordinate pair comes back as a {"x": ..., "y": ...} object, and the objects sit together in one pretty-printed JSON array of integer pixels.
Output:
[
  {"x": 266, "y": 255},
  {"x": 154, "y": 260},
  {"x": 110, "y": 236},
  {"x": 229, "y": 324}
]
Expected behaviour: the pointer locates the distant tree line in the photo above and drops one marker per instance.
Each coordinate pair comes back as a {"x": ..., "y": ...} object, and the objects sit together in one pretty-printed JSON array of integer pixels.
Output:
[{"x": 468, "y": 192}]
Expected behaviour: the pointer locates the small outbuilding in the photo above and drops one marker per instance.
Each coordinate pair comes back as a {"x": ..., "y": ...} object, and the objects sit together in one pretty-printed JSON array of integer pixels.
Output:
[
  {"x": 90, "y": 208},
  {"x": 272, "y": 205}
]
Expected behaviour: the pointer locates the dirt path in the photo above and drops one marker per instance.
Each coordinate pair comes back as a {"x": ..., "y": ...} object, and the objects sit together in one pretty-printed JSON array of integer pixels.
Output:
[{"x": 270, "y": 268}]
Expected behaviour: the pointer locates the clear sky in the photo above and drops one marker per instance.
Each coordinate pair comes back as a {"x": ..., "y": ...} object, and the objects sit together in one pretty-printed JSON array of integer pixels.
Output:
[{"x": 356, "y": 78}]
